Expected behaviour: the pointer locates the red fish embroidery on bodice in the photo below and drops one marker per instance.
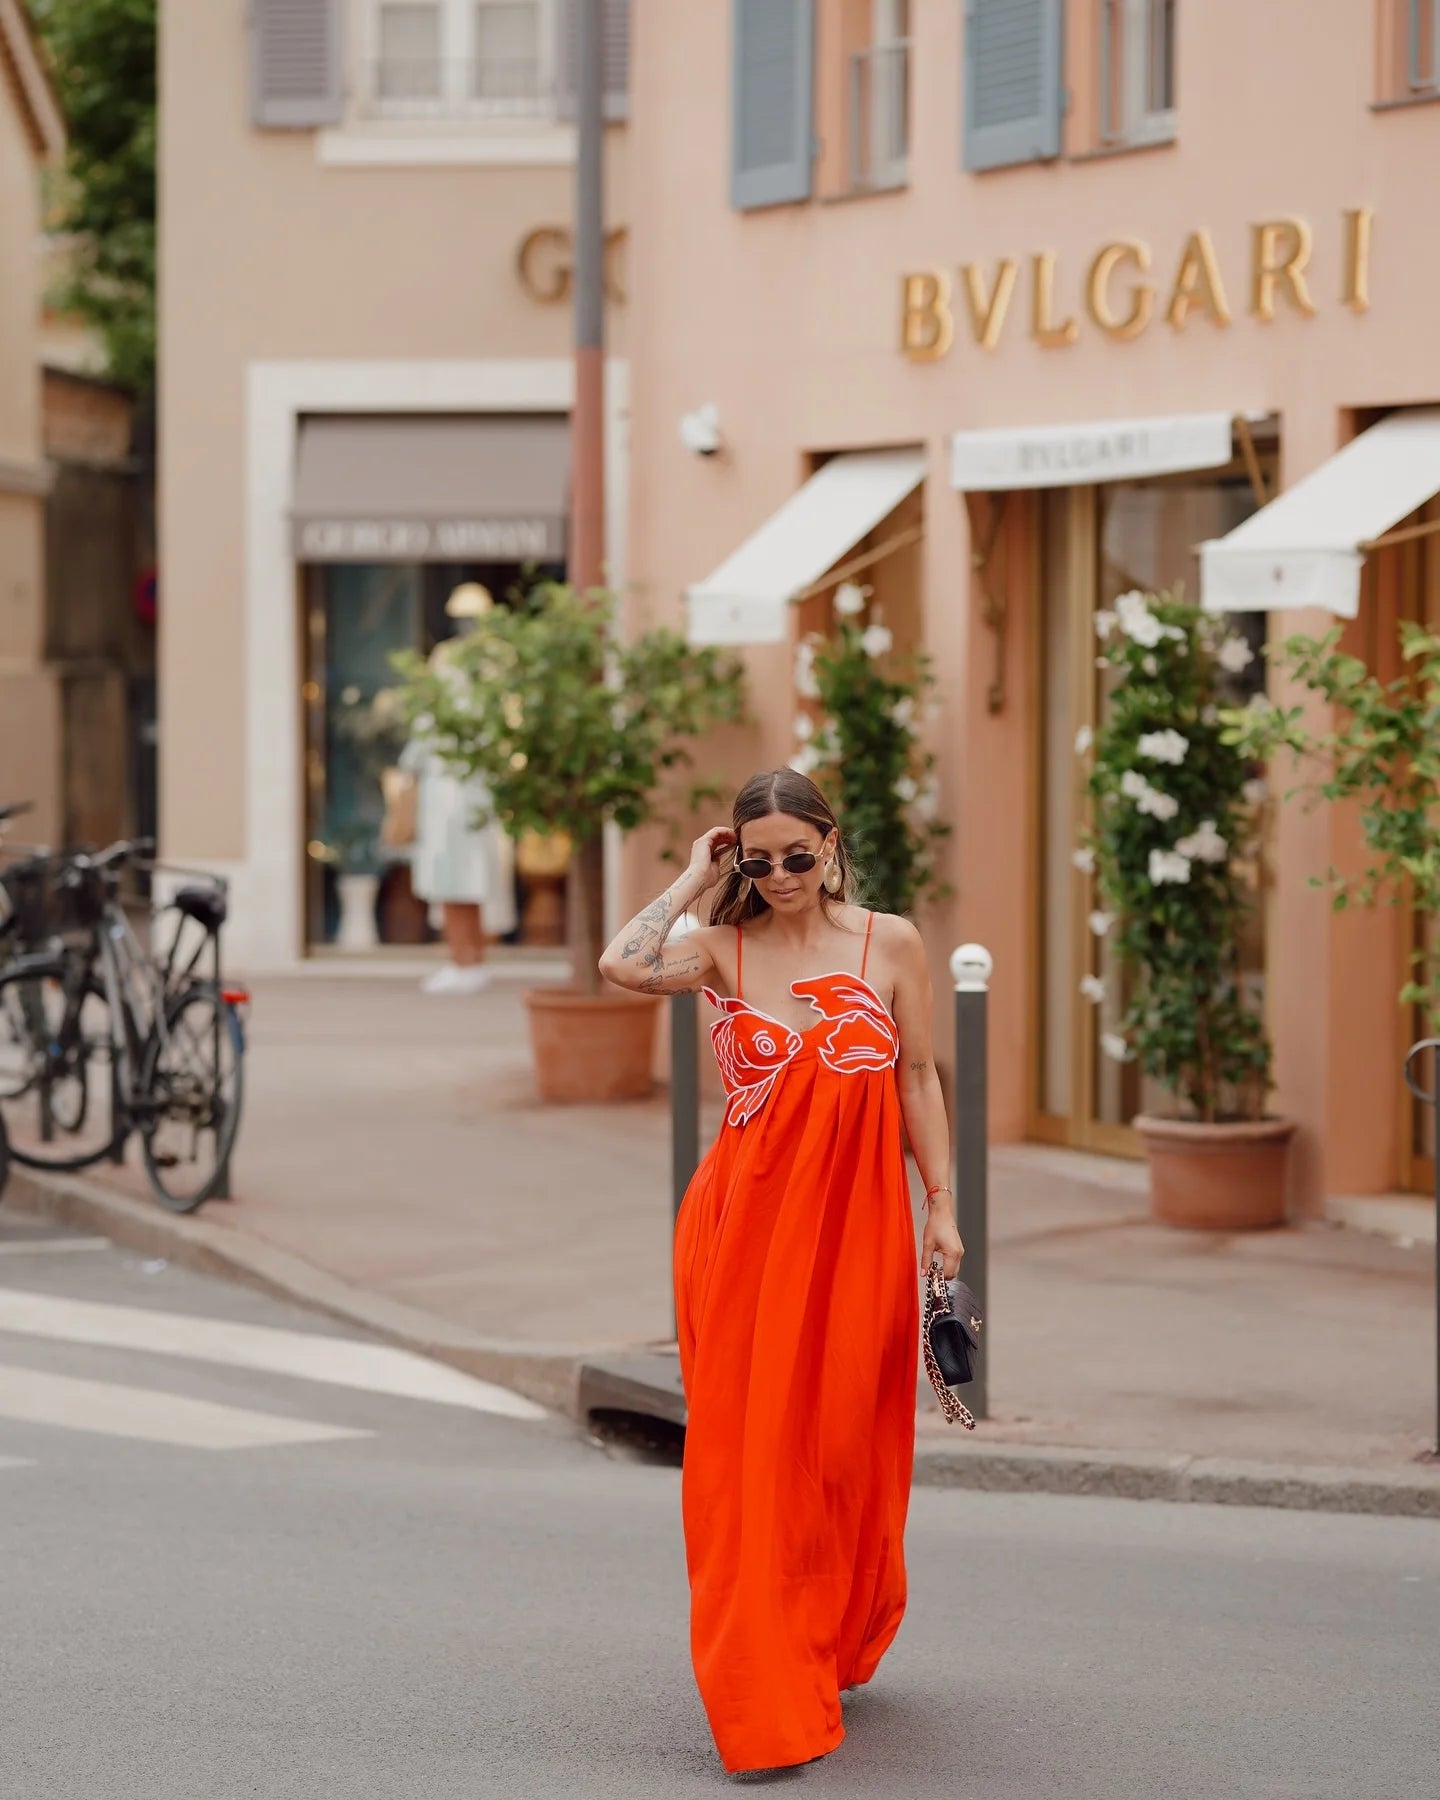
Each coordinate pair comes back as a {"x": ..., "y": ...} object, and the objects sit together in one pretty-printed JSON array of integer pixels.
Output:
[{"x": 854, "y": 1034}]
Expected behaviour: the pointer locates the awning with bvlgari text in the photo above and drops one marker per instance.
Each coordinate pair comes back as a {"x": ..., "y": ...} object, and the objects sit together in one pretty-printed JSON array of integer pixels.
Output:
[
  {"x": 745, "y": 600},
  {"x": 431, "y": 488},
  {"x": 1307, "y": 547}
]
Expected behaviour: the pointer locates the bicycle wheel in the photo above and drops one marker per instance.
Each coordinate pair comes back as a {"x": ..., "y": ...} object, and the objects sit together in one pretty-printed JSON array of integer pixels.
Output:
[
  {"x": 191, "y": 1090},
  {"x": 57, "y": 1068}
]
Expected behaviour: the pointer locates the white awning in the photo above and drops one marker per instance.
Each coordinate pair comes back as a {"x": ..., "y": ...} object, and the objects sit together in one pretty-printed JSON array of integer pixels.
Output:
[
  {"x": 1306, "y": 548},
  {"x": 1046, "y": 456},
  {"x": 744, "y": 601}
]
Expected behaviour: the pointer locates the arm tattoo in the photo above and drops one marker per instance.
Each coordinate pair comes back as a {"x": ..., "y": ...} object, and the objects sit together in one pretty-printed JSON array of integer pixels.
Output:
[
  {"x": 645, "y": 945},
  {"x": 918, "y": 1068}
]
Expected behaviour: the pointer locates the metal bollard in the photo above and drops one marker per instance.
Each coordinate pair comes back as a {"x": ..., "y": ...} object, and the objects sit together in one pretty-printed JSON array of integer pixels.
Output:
[
  {"x": 970, "y": 968},
  {"x": 684, "y": 1093},
  {"x": 1431, "y": 1098}
]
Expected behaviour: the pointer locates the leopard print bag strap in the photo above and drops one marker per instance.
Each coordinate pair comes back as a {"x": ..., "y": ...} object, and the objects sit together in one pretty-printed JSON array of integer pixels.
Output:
[{"x": 937, "y": 1300}]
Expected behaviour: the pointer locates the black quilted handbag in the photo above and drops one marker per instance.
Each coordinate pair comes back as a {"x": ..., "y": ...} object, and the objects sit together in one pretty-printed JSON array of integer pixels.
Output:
[{"x": 950, "y": 1334}]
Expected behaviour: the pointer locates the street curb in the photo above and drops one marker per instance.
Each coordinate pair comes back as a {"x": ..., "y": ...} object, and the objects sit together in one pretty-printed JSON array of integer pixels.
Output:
[
  {"x": 579, "y": 1381},
  {"x": 547, "y": 1373},
  {"x": 647, "y": 1383}
]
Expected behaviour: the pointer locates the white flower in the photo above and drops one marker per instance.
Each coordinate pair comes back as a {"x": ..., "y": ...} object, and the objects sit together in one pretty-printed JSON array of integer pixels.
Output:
[
  {"x": 1177, "y": 632},
  {"x": 1149, "y": 665},
  {"x": 1100, "y": 922},
  {"x": 928, "y": 802},
  {"x": 1168, "y": 865},
  {"x": 350, "y": 696},
  {"x": 849, "y": 599},
  {"x": 1084, "y": 738},
  {"x": 1133, "y": 785},
  {"x": 804, "y": 727},
  {"x": 1254, "y": 792},
  {"x": 1205, "y": 845},
  {"x": 1159, "y": 806},
  {"x": 906, "y": 792},
  {"x": 1115, "y": 1047},
  {"x": 806, "y": 685},
  {"x": 1235, "y": 655},
  {"x": 1164, "y": 746},
  {"x": 1084, "y": 860},
  {"x": 1260, "y": 703},
  {"x": 806, "y": 760},
  {"x": 903, "y": 712},
  {"x": 1137, "y": 621},
  {"x": 1093, "y": 988},
  {"x": 877, "y": 640},
  {"x": 1104, "y": 625}
]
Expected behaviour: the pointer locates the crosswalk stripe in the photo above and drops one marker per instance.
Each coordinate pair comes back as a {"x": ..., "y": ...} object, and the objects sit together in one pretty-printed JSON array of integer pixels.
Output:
[
  {"x": 42, "y": 1246},
  {"x": 339, "y": 1362},
  {"x": 113, "y": 1410}
]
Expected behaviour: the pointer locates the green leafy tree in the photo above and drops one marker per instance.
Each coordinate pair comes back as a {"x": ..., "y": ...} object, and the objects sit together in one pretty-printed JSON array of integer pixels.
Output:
[
  {"x": 1174, "y": 824},
  {"x": 869, "y": 756},
  {"x": 568, "y": 728},
  {"x": 1384, "y": 755},
  {"x": 102, "y": 53}
]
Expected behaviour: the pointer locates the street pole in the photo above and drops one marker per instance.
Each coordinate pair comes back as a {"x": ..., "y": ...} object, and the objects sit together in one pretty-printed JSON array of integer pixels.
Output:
[
  {"x": 587, "y": 422},
  {"x": 586, "y": 561},
  {"x": 1432, "y": 1099},
  {"x": 684, "y": 1083},
  {"x": 970, "y": 968}
]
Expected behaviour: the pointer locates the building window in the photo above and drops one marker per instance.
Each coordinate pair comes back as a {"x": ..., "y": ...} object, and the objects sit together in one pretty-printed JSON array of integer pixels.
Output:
[
  {"x": 1410, "y": 50},
  {"x": 879, "y": 101},
  {"x": 1137, "y": 71},
  {"x": 459, "y": 58}
]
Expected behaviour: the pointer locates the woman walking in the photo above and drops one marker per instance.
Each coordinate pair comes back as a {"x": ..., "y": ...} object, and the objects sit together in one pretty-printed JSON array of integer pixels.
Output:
[{"x": 796, "y": 1287}]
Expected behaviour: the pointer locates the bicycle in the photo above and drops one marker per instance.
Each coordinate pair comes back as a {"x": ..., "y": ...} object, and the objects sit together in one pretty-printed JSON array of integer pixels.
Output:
[{"x": 101, "y": 1040}]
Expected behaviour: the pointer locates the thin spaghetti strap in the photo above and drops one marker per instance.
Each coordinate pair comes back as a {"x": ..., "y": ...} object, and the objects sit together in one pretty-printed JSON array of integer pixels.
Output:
[
  {"x": 865, "y": 958},
  {"x": 739, "y": 964}
]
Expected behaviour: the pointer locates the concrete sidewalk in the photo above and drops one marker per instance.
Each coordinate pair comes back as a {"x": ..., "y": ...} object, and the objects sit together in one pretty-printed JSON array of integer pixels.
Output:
[{"x": 395, "y": 1168}]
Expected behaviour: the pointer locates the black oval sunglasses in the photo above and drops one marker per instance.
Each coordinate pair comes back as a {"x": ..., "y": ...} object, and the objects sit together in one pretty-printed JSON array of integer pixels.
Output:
[{"x": 760, "y": 868}]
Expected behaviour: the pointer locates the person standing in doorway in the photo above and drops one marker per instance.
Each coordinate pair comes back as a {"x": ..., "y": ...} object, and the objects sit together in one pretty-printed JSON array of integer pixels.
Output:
[{"x": 465, "y": 869}]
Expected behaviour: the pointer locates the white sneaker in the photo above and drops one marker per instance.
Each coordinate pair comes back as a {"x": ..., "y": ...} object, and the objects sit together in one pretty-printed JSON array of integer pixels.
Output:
[
  {"x": 442, "y": 981},
  {"x": 473, "y": 980}
]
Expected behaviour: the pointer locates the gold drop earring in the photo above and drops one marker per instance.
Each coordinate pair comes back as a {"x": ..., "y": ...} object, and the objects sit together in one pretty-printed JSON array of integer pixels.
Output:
[{"x": 832, "y": 876}]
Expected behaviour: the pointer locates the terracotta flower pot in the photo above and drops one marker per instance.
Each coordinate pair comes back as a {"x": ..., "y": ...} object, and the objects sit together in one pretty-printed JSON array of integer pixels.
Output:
[
  {"x": 1217, "y": 1177},
  {"x": 592, "y": 1047}
]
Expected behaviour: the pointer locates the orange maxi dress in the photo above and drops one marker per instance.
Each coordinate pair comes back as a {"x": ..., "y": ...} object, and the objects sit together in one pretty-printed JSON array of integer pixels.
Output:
[{"x": 797, "y": 1303}]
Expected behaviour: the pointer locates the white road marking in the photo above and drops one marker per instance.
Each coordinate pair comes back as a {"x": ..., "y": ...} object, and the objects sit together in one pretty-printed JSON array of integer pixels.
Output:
[
  {"x": 54, "y": 1246},
  {"x": 129, "y": 1412},
  {"x": 340, "y": 1362},
  {"x": 16, "y": 1462}
]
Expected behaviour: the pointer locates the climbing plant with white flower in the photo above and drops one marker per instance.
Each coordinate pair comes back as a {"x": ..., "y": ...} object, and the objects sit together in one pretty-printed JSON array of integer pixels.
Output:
[
  {"x": 864, "y": 746},
  {"x": 1169, "y": 849}
]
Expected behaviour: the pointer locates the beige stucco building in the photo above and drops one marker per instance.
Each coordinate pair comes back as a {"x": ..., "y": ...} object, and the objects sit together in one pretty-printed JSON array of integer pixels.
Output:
[
  {"x": 31, "y": 704},
  {"x": 1046, "y": 293},
  {"x": 365, "y": 378}
]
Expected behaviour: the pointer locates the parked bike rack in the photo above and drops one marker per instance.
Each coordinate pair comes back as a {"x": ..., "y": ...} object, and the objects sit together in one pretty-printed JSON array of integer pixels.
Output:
[{"x": 1431, "y": 1098}]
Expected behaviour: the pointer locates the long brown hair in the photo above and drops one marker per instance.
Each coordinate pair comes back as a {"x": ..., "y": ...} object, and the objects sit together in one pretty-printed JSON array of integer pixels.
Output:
[{"x": 777, "y": 791}]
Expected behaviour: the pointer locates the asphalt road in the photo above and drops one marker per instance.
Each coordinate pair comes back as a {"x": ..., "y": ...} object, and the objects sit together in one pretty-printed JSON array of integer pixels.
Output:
[{"x": 244, "y": 1556}]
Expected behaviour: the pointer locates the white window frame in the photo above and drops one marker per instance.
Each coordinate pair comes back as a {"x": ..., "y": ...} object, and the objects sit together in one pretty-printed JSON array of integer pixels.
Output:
[
  {"x": 889, "y": 21},
  {"x": 1134, "y": 121},
  {"x": 455, "y": 101}
]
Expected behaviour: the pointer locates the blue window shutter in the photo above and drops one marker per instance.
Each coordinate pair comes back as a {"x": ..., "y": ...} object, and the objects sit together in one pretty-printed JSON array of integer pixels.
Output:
[
  {"x": 773, "y": 82},
  {"x": 296, "y": 72},
  {"x": 1014, "y": 90}
]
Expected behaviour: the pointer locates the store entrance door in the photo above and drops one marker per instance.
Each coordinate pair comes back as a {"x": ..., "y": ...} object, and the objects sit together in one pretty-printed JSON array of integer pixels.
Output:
[{"x": 1096, "y": 543}]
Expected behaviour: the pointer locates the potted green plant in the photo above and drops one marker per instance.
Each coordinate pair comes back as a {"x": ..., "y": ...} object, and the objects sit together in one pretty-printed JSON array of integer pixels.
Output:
[
  {"x": 1175, "y": 821},
  {"x": 866, "y": 749},
  {"x": 568, "y": 729},
  {"x": 1384, "y": 755}
]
